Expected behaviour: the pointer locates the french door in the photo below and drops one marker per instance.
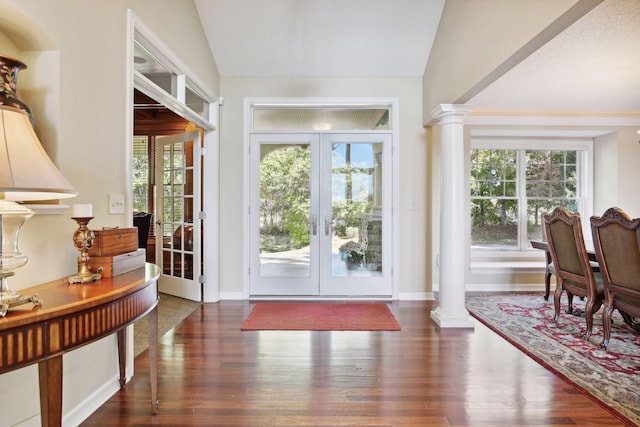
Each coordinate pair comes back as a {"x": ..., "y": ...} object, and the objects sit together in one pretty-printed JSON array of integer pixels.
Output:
[
  {"x": 320, "y": 215},
  {"x": 178, "y": 207}
]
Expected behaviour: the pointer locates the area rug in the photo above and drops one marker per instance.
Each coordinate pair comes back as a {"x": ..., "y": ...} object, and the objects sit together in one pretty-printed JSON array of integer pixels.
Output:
[
  {"x": 171, "y": 311},
  {"x": 611, "y": 377},
  {"x": 310, "y": 316}
]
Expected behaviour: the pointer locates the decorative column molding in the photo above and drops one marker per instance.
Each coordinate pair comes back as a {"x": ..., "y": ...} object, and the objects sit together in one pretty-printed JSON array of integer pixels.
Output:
[{"x": 451, "y": 311}]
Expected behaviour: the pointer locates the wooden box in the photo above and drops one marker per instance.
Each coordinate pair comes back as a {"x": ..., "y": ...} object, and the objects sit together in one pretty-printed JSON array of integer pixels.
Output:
[
  {"x": 110, "y": 266},
  {"x": 114, "y": 241}
]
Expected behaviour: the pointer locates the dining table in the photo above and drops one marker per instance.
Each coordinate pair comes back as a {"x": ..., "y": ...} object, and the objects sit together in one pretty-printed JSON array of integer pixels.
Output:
[{"x": 543, "y": 245}]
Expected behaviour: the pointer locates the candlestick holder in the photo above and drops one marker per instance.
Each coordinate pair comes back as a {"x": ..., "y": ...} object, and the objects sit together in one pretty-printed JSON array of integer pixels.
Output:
[{"x": 83, "y": 240}]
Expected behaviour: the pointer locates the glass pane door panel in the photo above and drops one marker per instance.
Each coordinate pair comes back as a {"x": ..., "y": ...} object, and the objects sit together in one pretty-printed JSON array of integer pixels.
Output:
[
  {"x": 356, "y": 209},
  {"x": 177, "y": 213},
  {"x": 179, "y": 243},
  {"x": 284, "y": 203}
]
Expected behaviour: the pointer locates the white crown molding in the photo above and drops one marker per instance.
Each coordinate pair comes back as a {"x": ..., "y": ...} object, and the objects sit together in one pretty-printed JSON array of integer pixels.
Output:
[{"x": 528, "y": 118}]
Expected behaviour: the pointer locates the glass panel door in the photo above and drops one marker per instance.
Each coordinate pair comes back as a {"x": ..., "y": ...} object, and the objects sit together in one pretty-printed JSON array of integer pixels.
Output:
[
  {"x": 355, "y": 210},
  {"x": 178, "y": 207},
  {"x": 284, "y": 232},
  {"x": 320, "y": 214}
]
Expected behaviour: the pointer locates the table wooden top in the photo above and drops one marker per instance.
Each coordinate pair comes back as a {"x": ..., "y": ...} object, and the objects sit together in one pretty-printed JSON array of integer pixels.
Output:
[
  {"x": 541, "y": 244},
  {"x": 60, "y": 298}
]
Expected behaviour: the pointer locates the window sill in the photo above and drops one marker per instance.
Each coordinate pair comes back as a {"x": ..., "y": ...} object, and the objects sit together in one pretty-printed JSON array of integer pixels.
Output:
[{"x": 502, "y": 267}]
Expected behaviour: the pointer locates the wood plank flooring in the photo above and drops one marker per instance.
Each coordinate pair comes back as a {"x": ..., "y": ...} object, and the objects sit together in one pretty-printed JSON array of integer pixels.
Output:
[{"x": 213, "y": 374}]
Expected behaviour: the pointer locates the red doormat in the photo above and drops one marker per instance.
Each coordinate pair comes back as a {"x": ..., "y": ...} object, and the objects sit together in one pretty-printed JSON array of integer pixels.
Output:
[{"x": 311, "y": 316}]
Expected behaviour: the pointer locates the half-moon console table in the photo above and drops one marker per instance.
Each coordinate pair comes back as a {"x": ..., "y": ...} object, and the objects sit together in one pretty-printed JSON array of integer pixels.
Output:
[{"x": 72, "y": 316}]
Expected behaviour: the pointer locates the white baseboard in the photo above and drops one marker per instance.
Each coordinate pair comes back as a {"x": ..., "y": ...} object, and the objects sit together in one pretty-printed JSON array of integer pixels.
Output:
[
  {"x": 91, "y": 404},
  {"x": 416, "y": 296},
  {"x": 232, "y": 296},
  {"x": 501, "y": 287},
  {"x": 511, "y": 287},
  {"x": 409, "y": 296}
]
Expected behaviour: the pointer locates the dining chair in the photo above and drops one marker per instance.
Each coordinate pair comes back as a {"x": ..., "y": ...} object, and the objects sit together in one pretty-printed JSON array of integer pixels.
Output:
[
  {"x": 616, "y": 238},
  {"x": 574, "y": 272},
  {"x": 142, "y": 220}
]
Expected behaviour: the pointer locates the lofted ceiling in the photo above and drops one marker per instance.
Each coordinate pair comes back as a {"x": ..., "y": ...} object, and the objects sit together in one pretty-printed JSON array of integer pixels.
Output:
[
  {"x": 320, "y": 38},
  {"x": 594, "y": 65}
]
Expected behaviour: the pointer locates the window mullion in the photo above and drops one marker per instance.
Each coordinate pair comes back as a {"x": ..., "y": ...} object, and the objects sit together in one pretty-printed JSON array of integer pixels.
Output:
[{"x": 522, "y": 199}]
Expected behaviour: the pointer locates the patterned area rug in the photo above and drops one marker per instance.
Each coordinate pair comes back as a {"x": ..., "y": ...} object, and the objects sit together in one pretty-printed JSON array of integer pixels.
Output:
[
  {"x": 611, "y": 377},
  {"x": 309, "y": 316}
]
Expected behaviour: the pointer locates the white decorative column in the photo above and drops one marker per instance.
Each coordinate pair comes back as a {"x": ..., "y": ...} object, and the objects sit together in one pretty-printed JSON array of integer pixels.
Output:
[{"x": 451, "y": 311}]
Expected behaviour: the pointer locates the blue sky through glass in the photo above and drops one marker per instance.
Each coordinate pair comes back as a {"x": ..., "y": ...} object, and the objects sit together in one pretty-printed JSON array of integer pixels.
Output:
[{"x": 362, "y": 165}]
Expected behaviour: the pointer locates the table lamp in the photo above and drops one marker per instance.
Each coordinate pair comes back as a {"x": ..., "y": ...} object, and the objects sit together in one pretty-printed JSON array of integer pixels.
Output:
[{"x": 26, "y": 174}]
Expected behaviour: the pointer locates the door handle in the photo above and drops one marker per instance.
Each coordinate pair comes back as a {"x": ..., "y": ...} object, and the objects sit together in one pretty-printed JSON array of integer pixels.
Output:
[
  {"x": 314, "y": 225},
  {"x": 327, "y": 225}
]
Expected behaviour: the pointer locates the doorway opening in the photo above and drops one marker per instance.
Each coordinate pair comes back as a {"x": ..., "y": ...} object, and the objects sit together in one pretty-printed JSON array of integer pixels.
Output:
[
  {"x": 151, "y": 122},
  {"x": 320, "y": 200},
  {"x": 173, "y": 123}
]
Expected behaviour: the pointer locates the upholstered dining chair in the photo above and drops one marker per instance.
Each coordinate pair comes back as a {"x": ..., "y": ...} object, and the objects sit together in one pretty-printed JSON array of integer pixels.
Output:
[
  {"x": 616, "y": 238},
  {"x": 574, "y": 272}
]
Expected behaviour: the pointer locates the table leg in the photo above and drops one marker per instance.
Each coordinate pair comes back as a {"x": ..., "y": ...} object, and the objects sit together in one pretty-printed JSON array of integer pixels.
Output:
[
  {"x": 153, "y": 358},
  {"x": 122, "y": 356},
  {"x": 50, "y": 379},
  {"x": 547, "y": 276}
]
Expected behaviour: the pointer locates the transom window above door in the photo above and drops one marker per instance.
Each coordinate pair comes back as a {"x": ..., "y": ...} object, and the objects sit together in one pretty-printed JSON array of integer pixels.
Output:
[{"x": 320, "y": 119}]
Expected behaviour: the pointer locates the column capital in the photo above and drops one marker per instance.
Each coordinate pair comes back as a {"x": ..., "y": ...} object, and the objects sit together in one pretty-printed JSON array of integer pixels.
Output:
[{"x": 447, "y": 110}]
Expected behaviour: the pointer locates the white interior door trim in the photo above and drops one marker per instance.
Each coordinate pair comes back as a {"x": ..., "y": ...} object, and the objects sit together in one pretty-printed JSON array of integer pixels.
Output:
[
  {"x": 392, "y": 103},
  {"x": 136, "y": 29}
]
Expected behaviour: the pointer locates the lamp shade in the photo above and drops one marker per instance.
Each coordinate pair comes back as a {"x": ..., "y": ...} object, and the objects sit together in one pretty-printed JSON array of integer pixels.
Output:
[{"x": 26, "y": 171}]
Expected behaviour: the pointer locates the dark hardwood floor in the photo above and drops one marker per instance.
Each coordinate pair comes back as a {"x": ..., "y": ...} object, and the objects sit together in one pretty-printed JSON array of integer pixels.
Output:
[{"x": 211, "y": 373}]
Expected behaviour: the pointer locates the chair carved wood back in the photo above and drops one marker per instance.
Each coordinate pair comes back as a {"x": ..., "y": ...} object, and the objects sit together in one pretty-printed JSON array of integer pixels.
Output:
[
  {"x": 616, "y": 238},
  {"x": 574, "y": 273}
]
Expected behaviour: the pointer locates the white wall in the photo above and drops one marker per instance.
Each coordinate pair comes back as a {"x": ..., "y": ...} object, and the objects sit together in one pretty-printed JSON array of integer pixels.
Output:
[
  {"x": 605, "y": 188},
  {"x": 627, "y": 171},
  {"x": 77, "y": 86},
  {"x": 479, "y": 41},
  {"x": 617, "y": 155},
  {"x": 413, "y": 168}
]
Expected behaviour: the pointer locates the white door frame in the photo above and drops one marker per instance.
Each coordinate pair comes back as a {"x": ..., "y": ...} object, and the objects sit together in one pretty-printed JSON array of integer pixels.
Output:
[
  {"x": 296, "y": 103},
  {"x": 137, "y": 30}
]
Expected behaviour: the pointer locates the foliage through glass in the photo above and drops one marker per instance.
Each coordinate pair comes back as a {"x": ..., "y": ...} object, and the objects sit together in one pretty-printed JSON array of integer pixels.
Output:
[{"x": 507, "y": 185}]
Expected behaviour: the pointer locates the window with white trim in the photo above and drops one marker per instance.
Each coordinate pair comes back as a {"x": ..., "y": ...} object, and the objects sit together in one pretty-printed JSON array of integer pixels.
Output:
[{"x": 513, "y": 183}]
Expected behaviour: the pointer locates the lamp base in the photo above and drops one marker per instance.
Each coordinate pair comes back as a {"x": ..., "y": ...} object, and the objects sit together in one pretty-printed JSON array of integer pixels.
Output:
[{"x": 10, "y": 299}]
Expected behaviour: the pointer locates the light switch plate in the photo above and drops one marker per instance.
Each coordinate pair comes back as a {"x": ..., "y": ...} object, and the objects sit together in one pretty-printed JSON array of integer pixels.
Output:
[{"x": 116, "y": 204}]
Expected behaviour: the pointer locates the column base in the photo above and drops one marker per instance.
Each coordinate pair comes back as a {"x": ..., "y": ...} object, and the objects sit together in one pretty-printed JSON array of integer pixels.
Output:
[{"x": 453, "y": 320}]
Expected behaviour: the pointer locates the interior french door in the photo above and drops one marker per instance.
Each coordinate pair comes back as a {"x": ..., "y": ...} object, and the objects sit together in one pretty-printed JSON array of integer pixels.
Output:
[
  {"x": 311, "y": 196},
  {"x": 178, "y": 226}
]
